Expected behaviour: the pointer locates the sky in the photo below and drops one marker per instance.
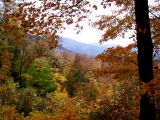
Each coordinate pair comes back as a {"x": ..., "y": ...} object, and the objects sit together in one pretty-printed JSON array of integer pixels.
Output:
[{"x": 90, "y": 34}]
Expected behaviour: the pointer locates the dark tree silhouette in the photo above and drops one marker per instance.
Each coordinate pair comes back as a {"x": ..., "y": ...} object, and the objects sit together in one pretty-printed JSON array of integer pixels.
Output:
[{"x": 145, "y": 49}]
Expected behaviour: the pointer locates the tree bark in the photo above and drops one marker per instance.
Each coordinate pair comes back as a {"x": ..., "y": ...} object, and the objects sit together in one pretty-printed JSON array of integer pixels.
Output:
[{"x": 145, "y": 62}]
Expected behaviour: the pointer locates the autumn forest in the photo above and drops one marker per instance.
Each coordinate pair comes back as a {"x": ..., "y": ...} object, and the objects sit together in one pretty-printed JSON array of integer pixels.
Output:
[{"x": 41, "y": 81}]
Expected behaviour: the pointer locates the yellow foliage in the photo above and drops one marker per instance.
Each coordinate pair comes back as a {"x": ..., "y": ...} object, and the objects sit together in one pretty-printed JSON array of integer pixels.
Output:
[
  {"x": 59, "y": 77},
  {"x": 9, "y": 113},
  {"x": 60, "y": 95},
  {"x": 36, "y": 115},
  {"x": 15, "y": 22}
]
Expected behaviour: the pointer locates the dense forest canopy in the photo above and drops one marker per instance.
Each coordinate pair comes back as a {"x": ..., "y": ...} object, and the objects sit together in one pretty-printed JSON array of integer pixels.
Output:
[{"x": 37, "y": 81}]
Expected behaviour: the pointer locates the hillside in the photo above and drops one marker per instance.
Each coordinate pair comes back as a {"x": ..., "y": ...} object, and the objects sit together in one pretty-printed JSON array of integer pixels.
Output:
[{"x": 83, "y": 48}]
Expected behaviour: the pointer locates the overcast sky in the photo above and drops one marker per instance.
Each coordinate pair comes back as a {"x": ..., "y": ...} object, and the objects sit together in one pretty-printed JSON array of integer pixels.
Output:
[{"x": 90, "y": 34}]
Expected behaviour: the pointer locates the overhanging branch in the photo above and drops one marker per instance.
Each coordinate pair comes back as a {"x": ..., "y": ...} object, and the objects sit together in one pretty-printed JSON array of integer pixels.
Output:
[{"x": 158, "y": 17}]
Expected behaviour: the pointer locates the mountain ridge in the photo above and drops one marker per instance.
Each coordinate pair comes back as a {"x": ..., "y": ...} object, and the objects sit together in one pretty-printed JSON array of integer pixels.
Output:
[{"x": 91, "y": 49}]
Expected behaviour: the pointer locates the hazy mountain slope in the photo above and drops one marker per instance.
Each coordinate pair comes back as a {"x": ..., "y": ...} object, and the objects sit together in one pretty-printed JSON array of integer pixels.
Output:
[{"x": 79, "y": 47}]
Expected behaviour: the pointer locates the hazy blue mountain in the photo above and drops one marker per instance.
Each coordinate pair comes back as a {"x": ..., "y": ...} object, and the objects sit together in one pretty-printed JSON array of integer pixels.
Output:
[{"x": 83, "y": 48}]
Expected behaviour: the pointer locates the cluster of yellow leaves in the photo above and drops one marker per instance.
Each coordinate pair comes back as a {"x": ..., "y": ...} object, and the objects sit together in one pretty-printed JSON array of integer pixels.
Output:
[
  {"x": 39, "y": 63},
  {"x": 9, "y": 113},
  {"x": 36, "y": 115},
  {"x": 60, "y": 92},
  {"x": 14, "y": 22},
  {"x": 59, "y": 77}
]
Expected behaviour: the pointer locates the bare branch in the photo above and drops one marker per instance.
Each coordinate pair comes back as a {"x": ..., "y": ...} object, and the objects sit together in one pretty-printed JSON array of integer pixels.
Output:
[{"x": 158, "y": 17}]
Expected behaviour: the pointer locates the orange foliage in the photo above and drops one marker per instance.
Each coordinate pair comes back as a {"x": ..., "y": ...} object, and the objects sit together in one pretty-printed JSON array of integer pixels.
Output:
[
  {"x": 9, "y": 113},
  {"x": 118, "y": 59}
]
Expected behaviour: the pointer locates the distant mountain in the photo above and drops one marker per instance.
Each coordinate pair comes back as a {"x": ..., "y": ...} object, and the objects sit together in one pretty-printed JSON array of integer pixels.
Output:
[{"x": 83, "y": 48}]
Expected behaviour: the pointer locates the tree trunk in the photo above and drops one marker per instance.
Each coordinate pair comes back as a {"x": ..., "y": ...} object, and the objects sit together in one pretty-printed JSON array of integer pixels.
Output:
[{"x": 145, "y": 63}]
